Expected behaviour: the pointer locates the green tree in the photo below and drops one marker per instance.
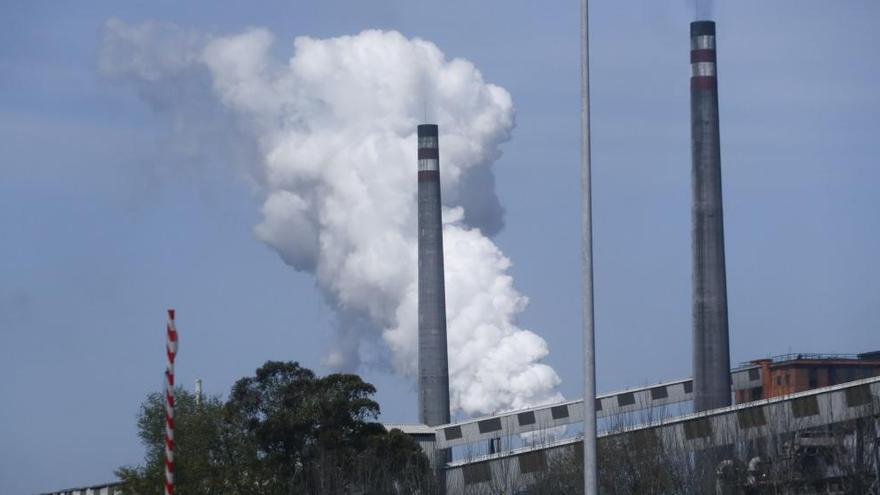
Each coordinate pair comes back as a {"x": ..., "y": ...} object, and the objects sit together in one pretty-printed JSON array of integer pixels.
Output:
[
  {"x": 196, "y": 432},
  {"x": 282, "y": 431}
]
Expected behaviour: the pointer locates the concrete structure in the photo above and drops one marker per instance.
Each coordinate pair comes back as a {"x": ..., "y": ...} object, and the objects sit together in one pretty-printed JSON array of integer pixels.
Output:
[
  {"x": 792, "y": 373},
  {"x": 788, "y": 419},
  {"x": 433, "y": 360},
  {"x": 660, "y": 400},
  {"x": 540, "y": 418},
  {"x": 423, "y": 435},
  {"x": 711, "y": 351},
  {"x": 105, "y": 489}
]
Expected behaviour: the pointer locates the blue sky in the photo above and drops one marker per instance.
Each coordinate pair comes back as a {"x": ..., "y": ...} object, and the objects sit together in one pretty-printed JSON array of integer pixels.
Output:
[{"x": 109, "y": 219}]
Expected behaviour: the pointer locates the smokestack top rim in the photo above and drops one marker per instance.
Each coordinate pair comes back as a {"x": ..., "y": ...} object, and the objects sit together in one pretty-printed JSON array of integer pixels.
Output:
[
  {"x": 703, "y": 28},
  {"x": 428, "y": 130}
]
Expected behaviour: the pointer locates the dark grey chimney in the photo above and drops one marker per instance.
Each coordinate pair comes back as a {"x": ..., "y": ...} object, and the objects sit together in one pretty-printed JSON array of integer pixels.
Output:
[
  {"x": 433, "y": 360},
  {"x": 710, "y": 333}
]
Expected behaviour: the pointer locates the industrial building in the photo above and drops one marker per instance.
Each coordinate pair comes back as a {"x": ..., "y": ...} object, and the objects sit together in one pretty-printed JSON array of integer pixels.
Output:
[
  {"x": 792, "y": 373},
  {"x": 114, "y": 488},
  {"x": 664, "y": 400},
  {"x": 801, "y": 437}
]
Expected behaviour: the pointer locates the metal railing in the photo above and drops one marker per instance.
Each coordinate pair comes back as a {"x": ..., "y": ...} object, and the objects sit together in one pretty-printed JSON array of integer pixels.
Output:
[{"x": 802, "y": 356}]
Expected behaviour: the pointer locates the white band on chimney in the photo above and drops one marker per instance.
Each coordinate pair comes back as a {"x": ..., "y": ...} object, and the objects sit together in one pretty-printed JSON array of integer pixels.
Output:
[
  {"x": 428, "y": 142},
  {"x": 703, "y": 69},
  {"x": 703, "y": 42},
  {"x": 428, "y": 164}
]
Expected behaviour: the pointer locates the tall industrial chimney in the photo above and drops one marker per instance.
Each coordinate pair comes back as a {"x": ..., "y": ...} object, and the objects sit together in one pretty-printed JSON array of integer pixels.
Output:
[
  {"x": 710, "y": 333},
  {"x": 433, "y": 360}
]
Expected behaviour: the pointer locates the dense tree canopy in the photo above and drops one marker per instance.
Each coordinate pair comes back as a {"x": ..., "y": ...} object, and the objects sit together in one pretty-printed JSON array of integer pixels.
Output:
[{"x": 282, "y": 431}]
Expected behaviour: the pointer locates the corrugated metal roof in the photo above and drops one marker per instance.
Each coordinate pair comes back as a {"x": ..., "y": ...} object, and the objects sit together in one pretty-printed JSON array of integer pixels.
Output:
[{"x": 410, "y": 428}]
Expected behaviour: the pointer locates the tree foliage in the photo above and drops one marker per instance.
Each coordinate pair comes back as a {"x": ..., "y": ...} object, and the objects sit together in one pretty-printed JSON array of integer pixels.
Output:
[{"x": 282, "y": 431}]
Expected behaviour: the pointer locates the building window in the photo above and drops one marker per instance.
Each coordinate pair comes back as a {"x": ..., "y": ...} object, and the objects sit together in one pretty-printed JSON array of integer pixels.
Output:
[
  {"x": 757, "y": 393},
  {"x": 532, "y": 462},
  {"x": 452, "y": 433},
  {"x": 814, "y": 378},
  {"x": 489, "y": 425},
  {"x": 778, "y": 380},
  {"x": 751, "y": 418},
  {"x": 805, "y": 406},
  {"x": 658, "y": 393},
  {"x": 526, "y": 418},
  {"x": 476, "y": 473},
  {"x": 858, "y": 396},
  {"x": 697, "y": 428},
  {"x": 626, "y": 399},
  {"x": 559, "y": 412}
]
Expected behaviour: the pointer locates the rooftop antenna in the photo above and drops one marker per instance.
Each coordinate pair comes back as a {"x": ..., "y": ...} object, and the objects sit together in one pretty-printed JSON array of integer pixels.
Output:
[
  {"x": 198, "y": 391},
  {"x": 424, "y": 107},
  {"x": 424, "y": 96}
]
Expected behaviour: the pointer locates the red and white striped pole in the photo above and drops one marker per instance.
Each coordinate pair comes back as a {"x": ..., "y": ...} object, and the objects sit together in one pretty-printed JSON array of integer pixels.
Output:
[{"x": 171, "y": 351}]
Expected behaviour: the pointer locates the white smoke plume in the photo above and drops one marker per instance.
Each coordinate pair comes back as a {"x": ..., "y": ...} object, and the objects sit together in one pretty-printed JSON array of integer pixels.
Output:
[{"x": 335, "y": 129}]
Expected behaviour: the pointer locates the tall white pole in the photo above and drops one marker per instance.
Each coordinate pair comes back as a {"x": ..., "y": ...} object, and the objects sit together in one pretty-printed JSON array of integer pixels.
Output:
[{"x": 591, "y": 484}]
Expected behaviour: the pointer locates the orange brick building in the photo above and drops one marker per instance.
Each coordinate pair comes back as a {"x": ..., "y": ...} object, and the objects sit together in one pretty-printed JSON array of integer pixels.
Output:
[{"x": 791, "y": 373}]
